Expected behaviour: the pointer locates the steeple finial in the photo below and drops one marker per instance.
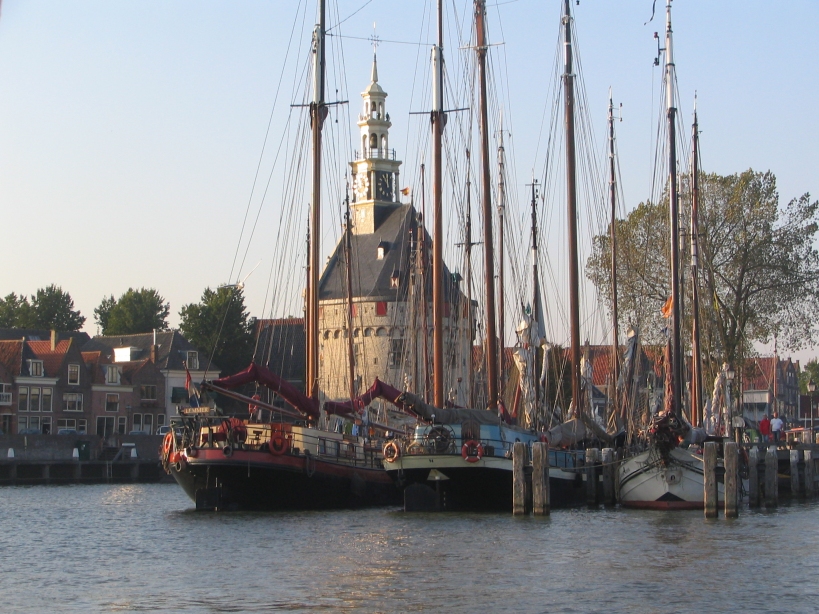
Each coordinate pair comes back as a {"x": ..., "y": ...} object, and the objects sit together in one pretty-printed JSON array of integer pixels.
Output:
[{"x": 374, "y": 77}]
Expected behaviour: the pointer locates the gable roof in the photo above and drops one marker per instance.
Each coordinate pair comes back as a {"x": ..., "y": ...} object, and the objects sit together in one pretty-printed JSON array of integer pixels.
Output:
[
  {"x": 11, "y": 357},
  {"x": 53, "y": 360},
  {"x": 171, "y": 352}
]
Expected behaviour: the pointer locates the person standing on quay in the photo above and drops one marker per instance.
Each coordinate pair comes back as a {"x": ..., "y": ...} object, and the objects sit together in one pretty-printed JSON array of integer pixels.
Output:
[
  {"x": 765, "y": 428},
  {"x": 776, "y": 426}
]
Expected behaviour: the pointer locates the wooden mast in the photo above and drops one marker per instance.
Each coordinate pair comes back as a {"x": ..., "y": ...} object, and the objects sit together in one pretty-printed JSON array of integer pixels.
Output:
[
  {"x": 537, "y": 312},
  {"x": 615, "y": 345},
  {"x": 696, "y": 371},
  {"x": 489, "y": 260},
  {"x": 438, "y": 120},
  {"x": 501, "y": 250},
  {"x": 470, "y": 373},
  {"x": 422, "y": 258},
  {"x": 674, "y": 220},
  {"x": 348, "y": 259},
  {"x": 571, "y": 201},
  {"x": 318, "y": 112}
]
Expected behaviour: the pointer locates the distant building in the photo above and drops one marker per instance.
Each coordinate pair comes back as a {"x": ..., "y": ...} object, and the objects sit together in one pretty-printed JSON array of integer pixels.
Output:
[
  {"x": 169, "y": 351},
  {"x": 770, "y": 384}
]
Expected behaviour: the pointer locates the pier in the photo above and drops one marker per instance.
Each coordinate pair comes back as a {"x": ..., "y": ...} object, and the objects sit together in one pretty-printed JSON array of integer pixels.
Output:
[{"x": 81, "y": 459}]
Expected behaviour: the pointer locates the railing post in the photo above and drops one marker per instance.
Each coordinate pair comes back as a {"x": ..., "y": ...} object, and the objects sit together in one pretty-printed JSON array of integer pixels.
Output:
[
  {"x": 591, "y": 476},
  {"x": 609, "y": 469}
]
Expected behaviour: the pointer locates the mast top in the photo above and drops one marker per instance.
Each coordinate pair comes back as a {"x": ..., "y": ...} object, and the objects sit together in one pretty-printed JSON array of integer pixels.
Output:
[{"x": 670, "y": 74}]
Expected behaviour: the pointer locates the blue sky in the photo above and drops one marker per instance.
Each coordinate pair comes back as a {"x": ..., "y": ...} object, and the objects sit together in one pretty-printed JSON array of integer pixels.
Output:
[{"x": 130, "y": 133}]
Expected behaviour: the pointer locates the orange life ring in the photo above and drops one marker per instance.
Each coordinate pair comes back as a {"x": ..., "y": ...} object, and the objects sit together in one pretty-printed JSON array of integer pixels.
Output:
[
  {"x": 167, "y": 444},
  {"x": 278, "y": 444},
  {"x": 472, "y": 451},
  {"x": 391, "y": 452}
]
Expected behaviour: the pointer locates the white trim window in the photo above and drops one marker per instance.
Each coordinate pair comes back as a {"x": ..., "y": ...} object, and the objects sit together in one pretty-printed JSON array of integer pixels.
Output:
[
  {"x": 72, "y": 401},
  {"x": 46, "y": 399},
  {"x": 112, "y": 402},
  {"x": 111, "y": 374},
  {"x": 35, "y": 368},
  {"x": 22, "y": 399},
  {"x": 82, "y": 426},
  {"x": 193, "y": 360},
  {"x": 122, "y": 424},
  {"x": 66, "y": 423},
  {"x": 137, "y": 422},
  {"x": 147, "y": 392},
  {"x": 73, "y": 374},
  {"x": 34, "y": 399}
]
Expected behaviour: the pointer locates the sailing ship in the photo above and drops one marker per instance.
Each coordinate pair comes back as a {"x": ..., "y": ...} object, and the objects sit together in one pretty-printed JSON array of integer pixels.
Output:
[
  {"x": 462, "y": 458},
  {"x": 667, "y": 476}
]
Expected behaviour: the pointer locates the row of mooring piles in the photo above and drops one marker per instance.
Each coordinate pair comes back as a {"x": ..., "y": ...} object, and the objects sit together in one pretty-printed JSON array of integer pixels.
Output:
[{"x": 731, "y": 482}]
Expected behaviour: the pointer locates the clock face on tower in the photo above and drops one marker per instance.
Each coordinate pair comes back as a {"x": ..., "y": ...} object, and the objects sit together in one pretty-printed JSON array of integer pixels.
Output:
[
  {"x": 383, "y": 185},
  {"x": 362, "y": 186}
]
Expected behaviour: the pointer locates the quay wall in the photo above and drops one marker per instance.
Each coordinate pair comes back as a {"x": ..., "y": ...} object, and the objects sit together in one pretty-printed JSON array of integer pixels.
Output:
[{"x": 61, "y": 447}]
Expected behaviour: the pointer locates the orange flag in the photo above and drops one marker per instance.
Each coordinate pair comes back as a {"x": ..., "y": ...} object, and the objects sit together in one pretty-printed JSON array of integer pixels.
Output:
[{"x": 669, "y": 305}]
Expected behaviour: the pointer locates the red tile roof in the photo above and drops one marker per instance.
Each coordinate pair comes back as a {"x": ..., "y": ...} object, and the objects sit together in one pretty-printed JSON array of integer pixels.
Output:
[
  {"x": 11, "y": 356},
  {"x": 52, "y": 359}
]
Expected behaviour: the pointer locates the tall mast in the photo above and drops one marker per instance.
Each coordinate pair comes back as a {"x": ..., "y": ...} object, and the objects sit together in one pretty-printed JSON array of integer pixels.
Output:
[
  {"x": 470, "y": 373},
  {"x": 673, "y": 212},
  {"x": 422, "y": 258},
  {"x": 438, "y": 120},
  {"x": 489, "y": 259},
  {"x": 615, "y": 345},
  {"x": 348, "y": 258},
  {"x": 501, "y": 250},
  {"x": 537, "y": 311},
  {"x": 318, "y": 111},
  {"x": 696, "y": 375},
  {"x": 571, "y": 201}
]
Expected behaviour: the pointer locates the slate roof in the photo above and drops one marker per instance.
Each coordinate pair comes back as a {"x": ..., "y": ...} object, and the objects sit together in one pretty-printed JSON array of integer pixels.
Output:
[
  {"x": 371, "y": 276},
  {"x": 281, "y": 347},
  {"x": 40, "y": 334},
  {"x": 171, "y": 352}
]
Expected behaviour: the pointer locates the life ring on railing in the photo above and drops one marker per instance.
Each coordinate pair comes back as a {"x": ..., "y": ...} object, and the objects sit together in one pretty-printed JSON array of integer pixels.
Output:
[
  {"x": 391, "y": 452},
  {"x": 180, "y": 464},
  {"x": 167, "y": 444},
  {"x": 174, "y": 457},
  {"x": 278, "y": 444},
  {"x": 472, "y": 451}
]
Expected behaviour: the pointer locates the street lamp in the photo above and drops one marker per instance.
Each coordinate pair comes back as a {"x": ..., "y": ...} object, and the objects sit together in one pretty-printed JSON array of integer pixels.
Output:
[{"x": 811, "y": 389}]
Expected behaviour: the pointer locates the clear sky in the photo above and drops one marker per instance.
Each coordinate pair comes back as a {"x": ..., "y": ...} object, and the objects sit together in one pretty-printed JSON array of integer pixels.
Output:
[{"x": 130, "y": 132}]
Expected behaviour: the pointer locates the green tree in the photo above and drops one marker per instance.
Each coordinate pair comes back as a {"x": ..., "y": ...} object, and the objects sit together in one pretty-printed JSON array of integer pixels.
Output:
[
  {"x": 54, "y": 309},
  {"x": 218, "y": 326},
  {"x": 136, "y": 311},
  {"x": 810, "y": 371},
  {"x": 15, "y": 312},
  {"x": 759, "y": 267}
]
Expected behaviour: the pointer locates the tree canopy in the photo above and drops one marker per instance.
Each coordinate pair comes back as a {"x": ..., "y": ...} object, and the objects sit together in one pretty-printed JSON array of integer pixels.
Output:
[
  {"x": 136, "y": 311},
  {"x": 759, "y": 270},
  {"x": 218, "y": 326},
  {"x": 50, "y": 308}
]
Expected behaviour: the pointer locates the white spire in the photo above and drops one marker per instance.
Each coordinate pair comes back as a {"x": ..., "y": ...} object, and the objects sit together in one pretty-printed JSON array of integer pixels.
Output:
[{"x": 374, "y": 77}]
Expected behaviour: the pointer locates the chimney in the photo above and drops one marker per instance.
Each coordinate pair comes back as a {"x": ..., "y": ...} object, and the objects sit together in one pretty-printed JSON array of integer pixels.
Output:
[
  {"x": 153, "y": 353},
  {"x": 53, "y": 339}
]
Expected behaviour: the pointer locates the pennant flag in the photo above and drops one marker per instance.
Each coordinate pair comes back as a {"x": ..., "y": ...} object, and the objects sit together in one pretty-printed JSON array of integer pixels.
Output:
[
  {"x": 193, "y": 395},
  {"x": 405, "y": 191},
  {"x": 669, "y": 305}
]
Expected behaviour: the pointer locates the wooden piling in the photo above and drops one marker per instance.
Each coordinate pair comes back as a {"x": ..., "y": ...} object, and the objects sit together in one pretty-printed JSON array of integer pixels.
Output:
[
  {"x": 794, "y": 458},
  {"x": 753, "y": 477},
  {"x": 709, "y": 467},
  {"x": 810, "y": 486},
  {"x": 771, "y": 486},
  {"x": 609, "y": 469},
  {"x": 519, "y": 461},
  {"x": 541, "y": 505},
  {"x": 731, "y": 464},
  {"x": 591, "y": 476}
]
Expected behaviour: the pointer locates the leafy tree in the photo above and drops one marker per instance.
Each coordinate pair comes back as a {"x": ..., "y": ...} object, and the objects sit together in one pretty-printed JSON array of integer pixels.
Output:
[
  {"x": 54, "y": 309},
  {"x": 218, "y": 326},
  {"x": 15, "y": 312},
  {"x": 759, "y": 267},
  {"x": 136, "y": 311},
  {"x": 810, "y": 371}
]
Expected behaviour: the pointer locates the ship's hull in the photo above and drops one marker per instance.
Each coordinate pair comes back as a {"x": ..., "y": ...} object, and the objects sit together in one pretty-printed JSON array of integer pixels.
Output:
[
  {"x": 647, "y": 483},
  {"x": 448, "y": 482},
  {"x": 258, "y": 480}
]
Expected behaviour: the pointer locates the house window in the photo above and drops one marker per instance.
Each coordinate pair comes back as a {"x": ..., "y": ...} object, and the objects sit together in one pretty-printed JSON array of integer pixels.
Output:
[
  {"x": 34, "y": 399},
  {"x": 22, "y": 399},
  {"x": 5, "y": 396},
  {"x": 46, "y": 399},
  {"x": 74, "y": 375},
  {"x": 147, "y": 392},
  {"x": 160, "y": 420},
  {"x": 396, "y": 352},
  {"x": 193, "y": 360},
  {"x": 148, "y": 423},
  {"x": 34, "y": 422},
  {"x": 72, "y": 401},
  {"x": 137, "y": 422},
  {"x": 35, "y": 368},
  {"x": 112, "y": 375},
  {"x": 66, "y": 423},
  {"x": 105, "y": 425},
  {"x": 45, "y": 425},
  {"x": 112, "y": 403},
  {"x": 122, "y": 424},
  {"x": 82, "y": 426}
]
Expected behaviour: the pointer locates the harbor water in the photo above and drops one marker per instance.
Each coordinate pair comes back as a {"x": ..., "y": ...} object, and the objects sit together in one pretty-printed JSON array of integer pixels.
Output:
[{"x": 142, "y": 548}]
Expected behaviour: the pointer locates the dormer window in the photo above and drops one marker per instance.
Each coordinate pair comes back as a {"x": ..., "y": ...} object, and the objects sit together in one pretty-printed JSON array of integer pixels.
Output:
[
  {"x": 111, "y": 374},
  {"x": 73, "y": 375},
  {"x": 193, "y": 360},
  {"x": 381, "y": 250},
  {"x": 394, "y": 280},
  {"x": 35, "y": 368}
]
